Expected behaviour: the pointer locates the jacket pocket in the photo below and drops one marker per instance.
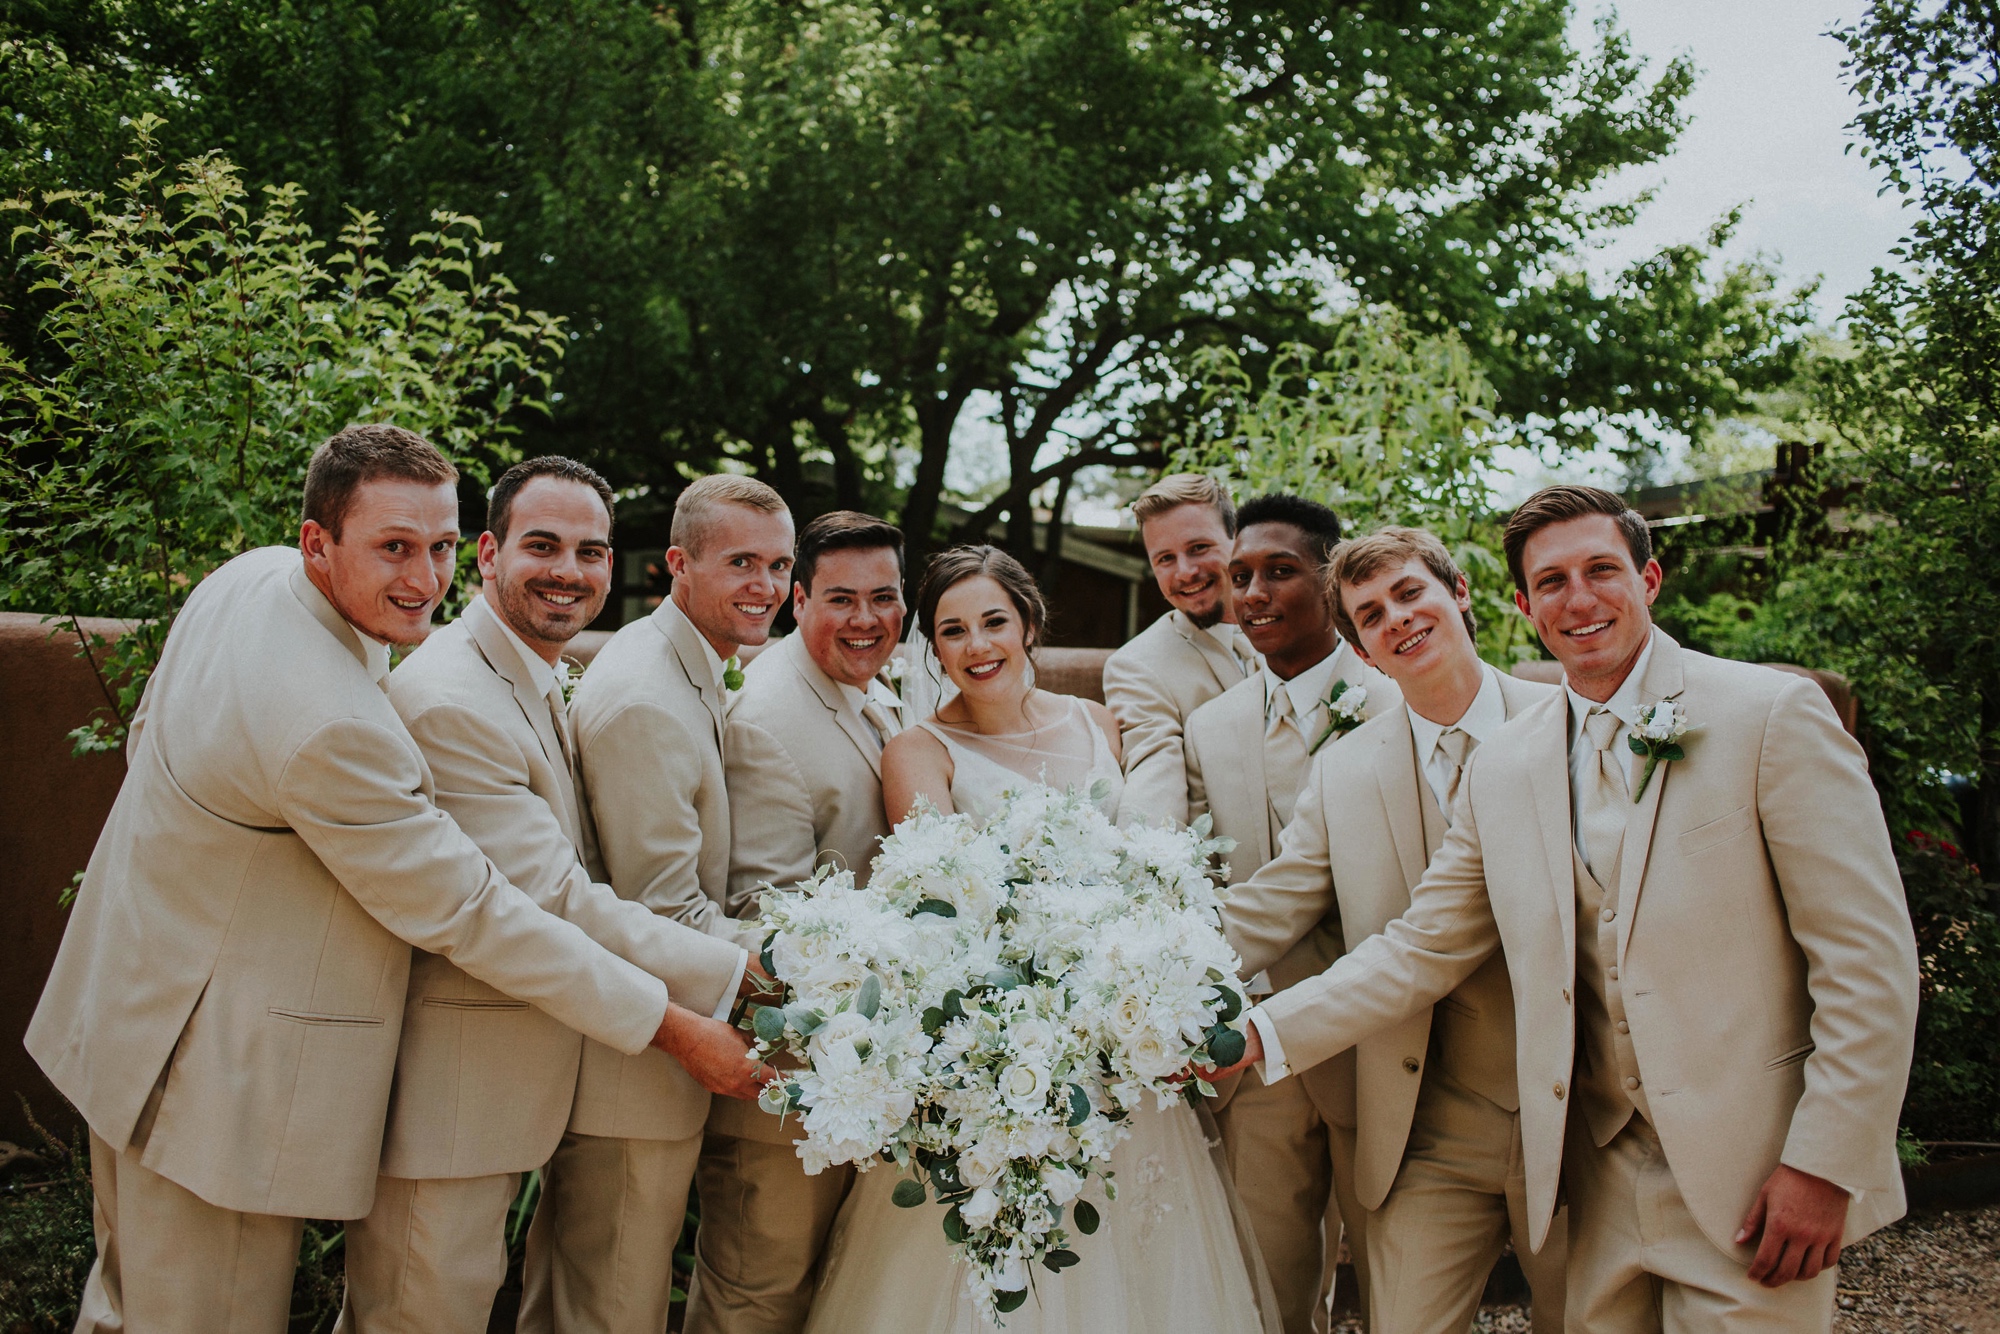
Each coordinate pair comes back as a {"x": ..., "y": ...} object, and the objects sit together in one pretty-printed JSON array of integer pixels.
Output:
[
  {"x": 1792, "y": 1057},
  {"x": 473, "y": 1003},
  {"x": 1705, "y": 836},
  {"x": 327, "y": 1020}
]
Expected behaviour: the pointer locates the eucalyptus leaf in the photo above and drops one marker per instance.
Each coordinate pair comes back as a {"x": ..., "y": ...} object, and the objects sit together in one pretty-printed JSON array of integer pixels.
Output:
[
  {"x": 954, "y": 1225},
  {"x": 1229, "y": 1004},
  {"x": 937, "y": 907},
  {"x": 1079, "y": 1105},
  {"x": 908, "y": 1194},
  {"x": 1003, "y": 1302},
  {"x": 1084, "y": 1214},
  {"x": 1228, "y": 1048},
  {"x": 769, "y": 1025},
  {"x": 870, "y": 1000}
]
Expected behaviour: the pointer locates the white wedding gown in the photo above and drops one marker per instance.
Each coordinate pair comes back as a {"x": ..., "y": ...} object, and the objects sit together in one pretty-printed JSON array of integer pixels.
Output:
[{"x": 1173, "y": 1252}]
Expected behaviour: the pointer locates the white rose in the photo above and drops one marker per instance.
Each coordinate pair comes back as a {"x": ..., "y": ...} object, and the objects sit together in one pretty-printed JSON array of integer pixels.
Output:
[
  {"x": 1024, "y": 1086},
  {"x": 1128, "y": 1015},
  {"x": 1032, "y": 1037},
  {"x": 1010, "y": 1274},
  {"x": 832, "y": 1047},
  {"x": 1151, "y": 1058},
  {"x": 1061, "y": 1183},
  {"x": 981, "y": 1209},
  {"x": 982, "y": 1164}
]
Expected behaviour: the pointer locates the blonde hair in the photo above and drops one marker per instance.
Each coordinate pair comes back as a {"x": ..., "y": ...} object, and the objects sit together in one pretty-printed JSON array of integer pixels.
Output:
[
  {"x": 1360, "y": 559},
  {"x": 695, "y": 510},
  {"x": 1184, "y": 488}
]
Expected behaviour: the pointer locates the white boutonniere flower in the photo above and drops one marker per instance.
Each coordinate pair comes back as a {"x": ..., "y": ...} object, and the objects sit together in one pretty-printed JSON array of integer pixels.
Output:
[
  {"x": 893, "y": 672},
  {"x": 568, "y": 672},
  {"x": 1345, "y": 704},
  {"x": 1657, "y": 735}
]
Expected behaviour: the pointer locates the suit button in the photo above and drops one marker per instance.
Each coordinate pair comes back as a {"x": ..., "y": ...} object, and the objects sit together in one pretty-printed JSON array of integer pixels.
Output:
[
  {"x": 1410, "y": 1064},
  {"x": 1612, "y": 972},
  {"x": 1608, "y": 914},
  {"x": 1631, "y": 1082},
  {"x": 1624, "y": 1027},
  {"x": 1559, "y": 1091}
]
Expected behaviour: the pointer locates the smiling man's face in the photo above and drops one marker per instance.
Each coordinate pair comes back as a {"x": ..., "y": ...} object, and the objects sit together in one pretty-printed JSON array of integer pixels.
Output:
[
  {"x": 549, "y": 579},
  {"x": 730, "y": 584},
  {"x": 392, "y": 563},
  {"x": 853, "y": 615},
  {"x": 1588, "y": 601},
  {"x": 1188, "y": 550},
  {"x": 1280, "y": 601}
]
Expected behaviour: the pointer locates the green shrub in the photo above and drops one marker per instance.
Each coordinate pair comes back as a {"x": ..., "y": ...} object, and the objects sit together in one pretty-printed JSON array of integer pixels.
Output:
[{"x": 1955, "y": 1079}]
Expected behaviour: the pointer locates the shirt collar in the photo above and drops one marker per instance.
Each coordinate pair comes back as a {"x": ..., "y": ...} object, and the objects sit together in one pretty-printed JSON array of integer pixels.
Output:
[
  {"x": 1624, "y": 703},
  {"x": 1482, "y": 718},
  {"x": 548, "y": 675},
  {"x": 374, "y": 656},
  {"x": 1309, "y": 687}
]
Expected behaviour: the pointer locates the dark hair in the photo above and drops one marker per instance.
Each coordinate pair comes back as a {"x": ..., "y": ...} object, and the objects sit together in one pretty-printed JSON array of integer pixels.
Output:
[
  {"x": 1320, "y": 524},
  {"x": 955, "y": 566},
  {"x": 363, "y": 454},
  {"x": 1362, "y": 558},
  {"x": 842, "y": 530},
  {"x": 1559, "y": 504},
  {"x": 500, "y": 504}
]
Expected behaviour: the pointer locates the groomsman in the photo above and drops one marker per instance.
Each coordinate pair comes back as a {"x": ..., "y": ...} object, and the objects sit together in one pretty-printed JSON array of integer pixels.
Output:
[
  {"x": 804, "y": 766},
  {"x": 484, "y": 1082},
  {"x": 1290, "y": 1144},
  {"x": 1187, "y": 657},
  {"x": 1714, "y": 975},
  {"x": 1439, "y": 1157},
  {"x": 648, "y": 723},
  {"x": 227, "y": 1003}
]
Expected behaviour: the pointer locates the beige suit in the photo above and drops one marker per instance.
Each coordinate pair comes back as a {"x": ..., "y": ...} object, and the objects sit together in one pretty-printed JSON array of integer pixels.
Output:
[
  {"x": 805, "y": 790},
  {"x": 484, "y": 1083},
  {"x": 1440, "y": 1085},
  {"x": 227, "y": 1003},
  {"x": 1170, "y": 669},
  {"x": 647, "y": 720},
  {"x": 1763, "y": 952},
  {"x": 1290, "y": 1145}
]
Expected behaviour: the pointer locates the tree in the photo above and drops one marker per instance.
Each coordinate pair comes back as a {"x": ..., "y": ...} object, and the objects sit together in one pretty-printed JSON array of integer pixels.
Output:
[
  {"x": 203, "y": 354},
  {"x": 789, "y": 234}
]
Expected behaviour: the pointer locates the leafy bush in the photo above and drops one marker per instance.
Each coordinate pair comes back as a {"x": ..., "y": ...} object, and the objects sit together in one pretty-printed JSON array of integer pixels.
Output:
[
  {"x": 46, "y": 1242},
  {"x": 1955, "y": 1080},
  {"x": 1383, "y": 425},
  {"x": 196, "y": 357}
]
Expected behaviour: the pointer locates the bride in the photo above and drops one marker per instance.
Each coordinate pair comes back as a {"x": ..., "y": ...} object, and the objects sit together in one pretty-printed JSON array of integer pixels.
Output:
[{"x": 1170, "y": 1253}]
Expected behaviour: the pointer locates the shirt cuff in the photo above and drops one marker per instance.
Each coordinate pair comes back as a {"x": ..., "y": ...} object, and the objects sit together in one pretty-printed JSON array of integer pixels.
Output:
[
  {"x": 1272, "y": 1068},
  {"x": 728, "y": 1001}
]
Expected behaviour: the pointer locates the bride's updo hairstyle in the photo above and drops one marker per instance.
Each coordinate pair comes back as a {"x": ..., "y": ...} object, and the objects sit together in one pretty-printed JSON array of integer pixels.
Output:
[{"x": 954, "y": 566}]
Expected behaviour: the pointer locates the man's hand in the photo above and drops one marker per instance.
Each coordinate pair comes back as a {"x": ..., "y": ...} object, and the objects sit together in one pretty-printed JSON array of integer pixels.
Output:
[
  {"x": 1253, "y": 1052},
  {"x": 1796, "y": 1226},
  {"x": 715, "y": 1053}
]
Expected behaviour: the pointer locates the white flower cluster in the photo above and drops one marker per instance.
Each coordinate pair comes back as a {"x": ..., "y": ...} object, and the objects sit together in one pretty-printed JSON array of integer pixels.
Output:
[
  {"x": 1665, "y": 722},
  {"x": 992, "y": 1006}
]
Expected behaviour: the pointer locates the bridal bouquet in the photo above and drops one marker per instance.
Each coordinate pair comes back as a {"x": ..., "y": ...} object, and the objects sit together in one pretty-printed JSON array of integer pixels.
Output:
[{"x": 991, "y": 1007}]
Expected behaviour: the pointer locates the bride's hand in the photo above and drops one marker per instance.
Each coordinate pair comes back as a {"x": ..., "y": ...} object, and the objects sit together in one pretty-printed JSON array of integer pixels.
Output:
[{"x": 1253, "y": 1052}]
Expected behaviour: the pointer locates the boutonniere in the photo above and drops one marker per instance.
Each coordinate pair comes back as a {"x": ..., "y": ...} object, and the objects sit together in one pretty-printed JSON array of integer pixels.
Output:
[
  {"x": 1657, "y": 735},
  {"x": 732, "y": 673},
  {"x": 893, "y": 672},
  {"x": 568, "y": 672},
  {"x": 1344, "y": 704}
]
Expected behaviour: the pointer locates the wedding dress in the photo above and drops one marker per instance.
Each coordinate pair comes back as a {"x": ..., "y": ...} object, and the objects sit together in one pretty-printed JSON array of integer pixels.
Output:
[{"x": 1173, "y": 1252}]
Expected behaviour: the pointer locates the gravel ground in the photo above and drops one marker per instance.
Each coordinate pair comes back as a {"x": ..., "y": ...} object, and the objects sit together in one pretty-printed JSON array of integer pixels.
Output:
[{"x": 1931, "y": 1274}]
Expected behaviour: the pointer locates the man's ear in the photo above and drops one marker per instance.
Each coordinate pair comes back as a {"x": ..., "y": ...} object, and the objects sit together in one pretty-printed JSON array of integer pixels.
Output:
[{"x": 677, "y": 563}]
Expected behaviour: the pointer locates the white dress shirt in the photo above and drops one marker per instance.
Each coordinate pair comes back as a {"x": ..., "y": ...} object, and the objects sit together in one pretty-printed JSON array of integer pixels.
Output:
[{"x": 1486, "y": 715}]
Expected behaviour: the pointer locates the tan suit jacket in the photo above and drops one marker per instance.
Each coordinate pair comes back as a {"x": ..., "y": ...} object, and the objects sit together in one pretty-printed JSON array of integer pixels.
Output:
[
  {"x": 1226, "y": 780},
  {"x": 246, "y": 919},
  {"x": 1152, "y": 684},
  {"x": 1764, "y": 946},
  {"x": 804, "y": 774},
  {"x": 648, "y": 721},
  {"x": 484, "y": 1082},
  {"x": 1366, "y": 827}
]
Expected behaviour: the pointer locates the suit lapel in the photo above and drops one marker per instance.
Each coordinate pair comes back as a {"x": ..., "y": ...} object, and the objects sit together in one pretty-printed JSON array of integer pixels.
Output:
[
  {"x": 1397, "y": 781},
  {"x": 501, "y": 656},
  {"x": 685, "y": 641},
  {"x": 828, "y": 692},
  {"x": 1223, "y": 667},
  {"x": 1664, "y": 681},
  {"x": 1546, "y": 753}
]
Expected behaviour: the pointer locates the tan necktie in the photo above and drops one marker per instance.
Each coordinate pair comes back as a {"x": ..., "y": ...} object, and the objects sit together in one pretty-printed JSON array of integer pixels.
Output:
[
  {"x": 1284, "y": 755},
  {"x": 1607, "y": 801},
  {"x": 1454, "y": 744},
  {"x": 878, "y": 718},
  {"x": 559, "y": 717}
]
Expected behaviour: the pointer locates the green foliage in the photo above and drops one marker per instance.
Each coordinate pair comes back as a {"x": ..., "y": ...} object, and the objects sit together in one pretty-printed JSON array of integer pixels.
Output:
[
  {"x": 46, "y": 1242},
  {"x": 198, "y": 356},
  {"x": 1384, "y": 425},
  {"x": 1955, "y": 1079}
]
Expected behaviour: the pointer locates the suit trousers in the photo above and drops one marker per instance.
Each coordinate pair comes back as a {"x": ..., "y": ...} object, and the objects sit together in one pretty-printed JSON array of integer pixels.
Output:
[
  {"x": 764, "y": 1225},
  {"x": 1294, "y": 1173},
  {"x": 429, "y": 1256},
  {"x": 601, "y": 1249},
  {"x": 1459, "y": 1195},
  {"x": 169, "y": 1262},
  {"x": 1639, "y": 1264}
]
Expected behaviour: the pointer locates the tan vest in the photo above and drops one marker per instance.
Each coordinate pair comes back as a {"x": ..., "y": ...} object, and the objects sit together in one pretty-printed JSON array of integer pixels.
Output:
[{"x": 1607, "y": 1069}]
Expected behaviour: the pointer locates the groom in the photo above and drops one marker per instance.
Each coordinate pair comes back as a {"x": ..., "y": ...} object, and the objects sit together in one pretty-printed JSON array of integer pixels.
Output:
[
  {"x": 227, "y": 1002},
  {"x": 1713, "y": 970},
  {"x": 648, "y": 724},
  {"x": 804, "y": 765}
]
